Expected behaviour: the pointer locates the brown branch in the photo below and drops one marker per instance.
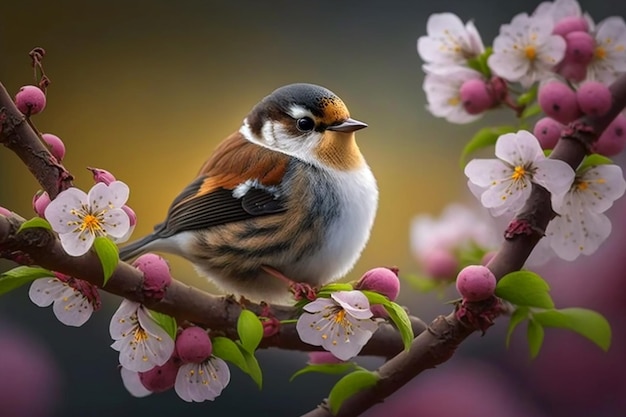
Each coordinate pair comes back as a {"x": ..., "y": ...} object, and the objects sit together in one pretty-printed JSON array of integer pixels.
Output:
[
  {"x": 181, "y": 301},
  {"x": 445, "y": 334},
  {"x": 17, "y": 135}
]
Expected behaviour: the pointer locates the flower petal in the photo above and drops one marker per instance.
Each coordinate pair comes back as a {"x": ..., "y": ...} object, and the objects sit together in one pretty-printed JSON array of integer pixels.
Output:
[
  {"x": 116, "y": 222},
  {"x": 58, "y": 212},
  {"x": 124, "y": 319},
  {"x": 318, "y": 305},
  {"x": 354, "y": 303},
  {"x": 202, "y": 381},
  {"x": 44, "y": 291},
  {"x": 72, "y": 308},
  {"x": 484, "y": 172},
  {"x": 76, "y": 244},
  {"x": 603, "y": 185},
  {"x": 519, "y": 149},
  {"x": 133, "y": 384},
  {"x": 554, "y": 175}
]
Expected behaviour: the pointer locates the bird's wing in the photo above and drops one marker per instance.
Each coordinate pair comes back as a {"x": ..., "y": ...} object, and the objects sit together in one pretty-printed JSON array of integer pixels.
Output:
[{"x": 240, "y": 181}]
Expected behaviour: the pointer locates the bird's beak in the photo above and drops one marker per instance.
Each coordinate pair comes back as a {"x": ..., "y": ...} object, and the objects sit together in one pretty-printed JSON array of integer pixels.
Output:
[{"x": 349, "y": 125}]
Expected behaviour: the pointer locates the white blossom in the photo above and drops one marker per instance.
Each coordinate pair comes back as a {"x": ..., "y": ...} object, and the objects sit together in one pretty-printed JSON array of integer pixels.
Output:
[
  {"x": 202, "y": 381},
  {"x": 504, "y": 184},
  {"x": 443, "y": 93},
  {"x": 79, "y": 218},
  {"x": 609, "y": 58},
  {"x": 341, "y": 324},
  {"x": 142, "y": 343},
  {"x": 526, "y": 51}
]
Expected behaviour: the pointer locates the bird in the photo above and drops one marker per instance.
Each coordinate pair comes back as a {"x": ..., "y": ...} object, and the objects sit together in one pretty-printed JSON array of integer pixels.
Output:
[{"x": 288, "y": 196}]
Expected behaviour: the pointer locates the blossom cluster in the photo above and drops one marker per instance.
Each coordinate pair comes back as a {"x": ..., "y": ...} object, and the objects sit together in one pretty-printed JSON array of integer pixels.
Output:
[{"x": 556, "y": 41}]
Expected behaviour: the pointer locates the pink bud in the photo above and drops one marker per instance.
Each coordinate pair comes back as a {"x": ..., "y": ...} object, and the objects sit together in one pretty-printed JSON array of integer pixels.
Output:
[
  {"x": 323, "y": 358},
  {"x": 580, "y": 47},
  {"x": 475, "y": 96},
  {"x": 382, "y": 280},
  {"x": 30, "y": 100},
  {"x": 613, "y": 139},
  {"x": 161, "y": 378},
  {"x": 558, "y": 101},
  {"x": 548, "y": 132},
  {"x": 570, "y": 24},
  {"x": 56, "y": 145},
  {"x": 573, "y": 71},
  {"x": 102, "y": 175},
  {"x": 193, "y": 345},
  {"x": 379, "y": 311},
  {"x": 440, "y": 264},
  {"x": 475, "y": 283},
  {"x": 5, "y": 212},
  {"x": 41, "y": 200},
  {"x": 594, "y": 98},
  {"x": 156, "y": 272},
  {"x": 131, "y": 215}
]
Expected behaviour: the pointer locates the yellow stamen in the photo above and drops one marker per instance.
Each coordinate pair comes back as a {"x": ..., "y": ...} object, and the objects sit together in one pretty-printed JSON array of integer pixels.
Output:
[
  {"x": 454, "y": 101},
  {"x": 340, "y": 316},
  {"x": 518, "y": 173},
  {"x": 582, "y": 185},
  {"x": 600, "y": 52},
  {"x": 140, "y": 335},
  {"x": 531, "y": 52}
]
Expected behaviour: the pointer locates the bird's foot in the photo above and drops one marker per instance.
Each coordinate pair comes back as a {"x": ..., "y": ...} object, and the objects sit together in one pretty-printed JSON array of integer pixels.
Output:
[{"x": 300, "y": 290}]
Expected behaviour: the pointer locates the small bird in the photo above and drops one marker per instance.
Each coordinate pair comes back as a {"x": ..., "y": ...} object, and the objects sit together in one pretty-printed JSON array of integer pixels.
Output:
[{"x": 287, "y": 196}]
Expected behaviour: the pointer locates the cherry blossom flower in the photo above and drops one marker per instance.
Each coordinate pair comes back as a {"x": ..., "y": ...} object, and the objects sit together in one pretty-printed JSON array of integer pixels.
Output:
[
  {"x": 202, "y": 381},
  {"x": 449, "y": 41},
  {"x": 142, "y": 343},
  {"x": 582, "y": 227},
  {"x": 79, "y": 218},
  {"x": 74, "y": 300},
  {"x": 504, "y": 184},
  {"x": 443, "y": 93},
  {"x": 558, "y": 10},
  {"x": 609, "y": 58},
  {"x": 341, "y": 324},
  {"x": 526, "y": 51}
]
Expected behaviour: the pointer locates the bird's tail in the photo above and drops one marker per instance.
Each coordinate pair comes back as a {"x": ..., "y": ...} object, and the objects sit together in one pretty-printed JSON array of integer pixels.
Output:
[{"x": 137, "y": 247}]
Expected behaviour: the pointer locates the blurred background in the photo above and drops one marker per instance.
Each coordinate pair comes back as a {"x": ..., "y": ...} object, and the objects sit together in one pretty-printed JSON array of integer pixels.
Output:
[{"x": 146, "y": 90}]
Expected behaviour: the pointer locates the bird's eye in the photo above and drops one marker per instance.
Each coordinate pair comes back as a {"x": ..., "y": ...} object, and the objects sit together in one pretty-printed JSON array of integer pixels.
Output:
[{"x": 305, "y": 124}]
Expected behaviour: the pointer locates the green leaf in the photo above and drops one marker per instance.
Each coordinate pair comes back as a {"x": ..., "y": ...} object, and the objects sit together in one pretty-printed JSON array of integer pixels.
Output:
[
  {"x": 228, "y": 350},
  {"x": 535, "y": 337},
  {"x": 376, "y": 298},
  {"x": 587, "y": 323},
  {"x": 254, "y": 370},
  {"x": 348, "y": 386},
  {"x": 109, "y": 256},
  {"x": 168, "y": 323},
  {"x": 486, "y": 136},
  {"x": 21, "y": 275},
  {"x": 250, "y": 330},
  {"x": 35, "y": 222},
  {"x": 592, "y": 161},
  {"x": 518, "y": 316},
  {"x": 325, "y": 368},
  {"x": 525, "y": 288},
  {"x": 530, "y": 111},
  {"x": 337, "y": 286},
  {"x": 529, "y": 96},
  {"x": 479, "y": 63},
  {"x": 402, "y": 322}
]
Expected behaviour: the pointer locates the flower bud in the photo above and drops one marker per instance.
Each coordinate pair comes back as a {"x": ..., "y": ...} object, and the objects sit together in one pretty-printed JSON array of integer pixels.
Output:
[
  {"x": 594, "y": 98},
  {"x": 558, "y": 101},
  {"x": 381, "y": 280},
  {"x": 548, "y": 132},
  {"x": 613, "y": 139},
  {"x": 161, "y": 378},
  {"x": 56, "y": 145},
  {"x": 323, "y": 358},
  {"x": 131, "y": 215},
  {"x": 579, "y": 48},
  {"x": 156, "y": 272},
  {"x": 475, "y": 283},
  {"x": 30, "y": 100},
  {"x": 193, "y": 345},
  {"x": 570, "y": 24},
  {"x": 475, "y": 96},
  {"x": 440, "y": 264},
  {"x": 41, "y": 200},
  {"x": 102, "y": 175}
]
